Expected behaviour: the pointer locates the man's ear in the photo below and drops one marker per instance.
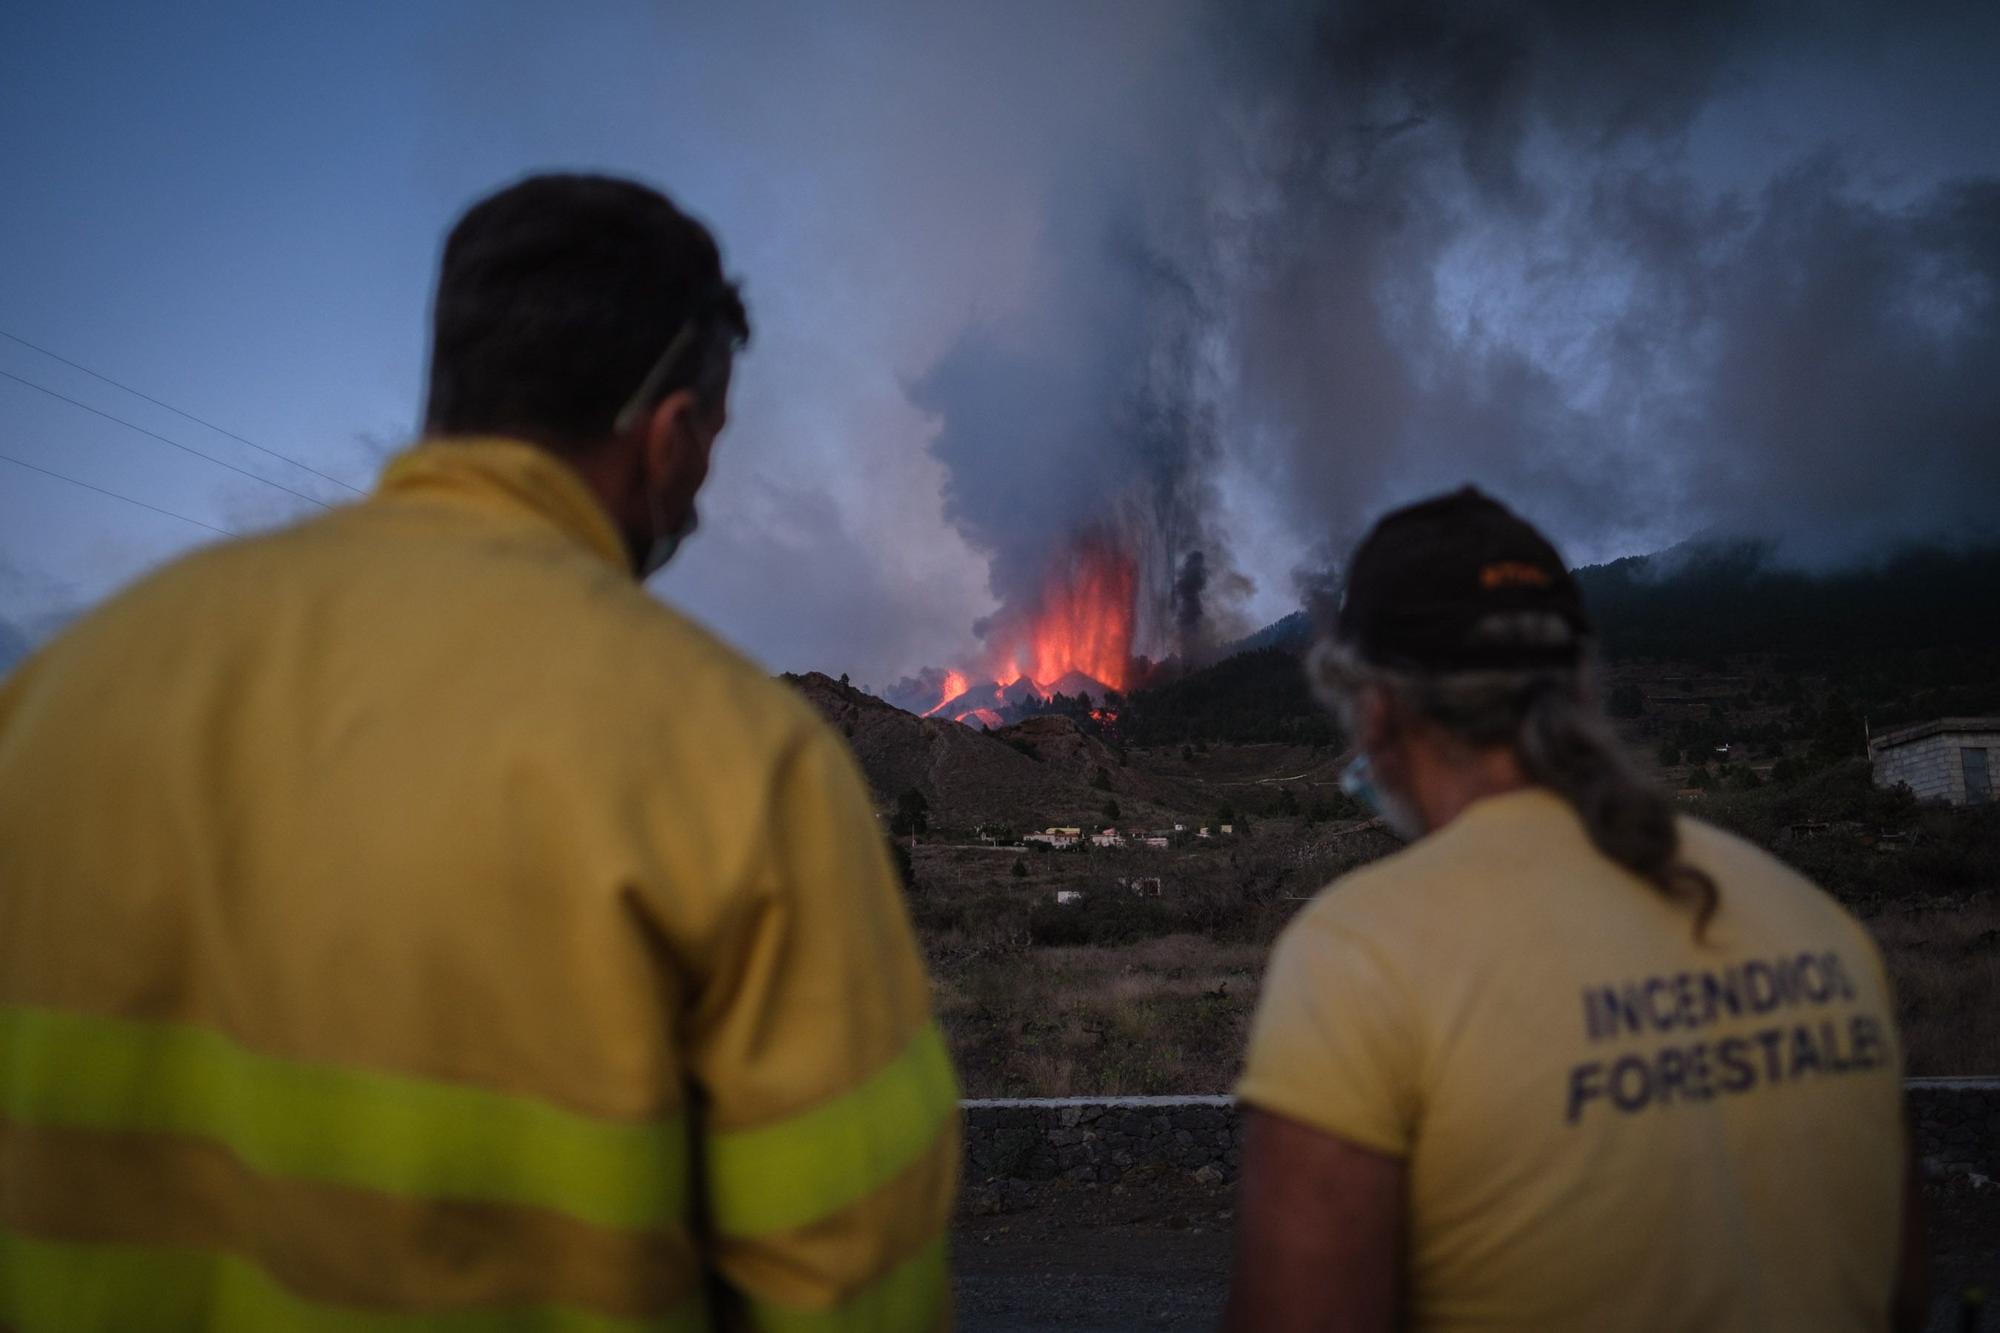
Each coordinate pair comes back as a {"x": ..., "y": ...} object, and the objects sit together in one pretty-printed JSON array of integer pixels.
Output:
[{"x": 669, "y": 434}]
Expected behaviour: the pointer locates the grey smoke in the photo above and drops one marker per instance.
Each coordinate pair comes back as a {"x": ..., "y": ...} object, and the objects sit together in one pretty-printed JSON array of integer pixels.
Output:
[
  {"x": 1398, "y": 247},
  {"x": 918, "y": 693},
  {"x": 1795, "y": 363},
  {"x": 1090, "y": 416}
]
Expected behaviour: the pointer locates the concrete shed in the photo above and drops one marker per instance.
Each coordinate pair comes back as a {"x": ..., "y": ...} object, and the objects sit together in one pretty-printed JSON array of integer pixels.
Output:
[{"x": 1951, "y": 760}]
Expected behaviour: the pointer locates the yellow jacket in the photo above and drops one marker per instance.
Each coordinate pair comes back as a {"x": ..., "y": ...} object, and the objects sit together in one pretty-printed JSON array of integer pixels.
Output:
[{"x": 403, "y": 915}]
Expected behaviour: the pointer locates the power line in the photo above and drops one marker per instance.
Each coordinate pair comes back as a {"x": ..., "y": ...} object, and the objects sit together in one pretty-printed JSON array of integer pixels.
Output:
[
  {"x": 76, "y": 365},
  {"x": 164, "y": 440},
  {"x": 116, "y": 496}
]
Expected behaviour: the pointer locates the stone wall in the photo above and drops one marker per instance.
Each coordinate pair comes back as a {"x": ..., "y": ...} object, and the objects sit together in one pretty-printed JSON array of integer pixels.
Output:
[
  {"x": 1929, "y": 767},
  {"x": 1957, "y": 1124},
  {"x": 1930, "y": 759},
  {"x": 1101, "y": 1139}
]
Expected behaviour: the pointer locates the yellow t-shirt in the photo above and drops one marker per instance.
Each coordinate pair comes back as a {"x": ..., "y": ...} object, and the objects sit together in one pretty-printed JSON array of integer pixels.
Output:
[{"x": 1606, "y": 1125}]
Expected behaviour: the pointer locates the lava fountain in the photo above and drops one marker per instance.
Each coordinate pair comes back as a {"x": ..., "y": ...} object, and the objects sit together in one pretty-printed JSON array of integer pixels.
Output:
[
  {"x": 955, "y": 684},
  {"x": 1071, "y": 633},
  {"x": 1082, "y": 624}
]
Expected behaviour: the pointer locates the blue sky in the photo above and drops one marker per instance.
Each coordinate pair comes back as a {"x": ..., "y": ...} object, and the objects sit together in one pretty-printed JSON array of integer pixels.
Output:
[{"x": 236, "y": 208}]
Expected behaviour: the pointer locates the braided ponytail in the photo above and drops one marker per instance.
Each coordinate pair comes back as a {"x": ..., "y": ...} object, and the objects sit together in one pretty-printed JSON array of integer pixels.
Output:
[
  {"x": 1562, "y": 743},
  {"x": 1572, "y": 752}
]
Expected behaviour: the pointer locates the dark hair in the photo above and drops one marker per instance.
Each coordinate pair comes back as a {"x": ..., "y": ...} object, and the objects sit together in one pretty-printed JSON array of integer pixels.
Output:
[
  {"x": 1563, "y": 743},
  {"x": 557, "y": 296}
]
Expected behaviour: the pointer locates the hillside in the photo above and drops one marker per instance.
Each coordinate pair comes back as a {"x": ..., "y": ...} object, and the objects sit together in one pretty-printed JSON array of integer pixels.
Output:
[
  {"x": 1065, "y": 748},
  {"x": 1907, "y": 638},
  {"x": 1049, "y": 774},
  {"x": 1704, "y": 600}
]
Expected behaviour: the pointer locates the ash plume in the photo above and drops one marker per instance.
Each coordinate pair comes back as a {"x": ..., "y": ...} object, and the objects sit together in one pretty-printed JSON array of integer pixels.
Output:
[
  {"x": 1792, "y": 360},
  {"x": 1367, "y": 251},
  {"x": 1087, "y": 419}
]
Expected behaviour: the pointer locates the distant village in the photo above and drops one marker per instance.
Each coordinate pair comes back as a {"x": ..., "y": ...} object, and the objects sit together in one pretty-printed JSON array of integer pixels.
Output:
[
  {"x": 1061, "y": 838},
  {"x": 1058, "y": 838}
]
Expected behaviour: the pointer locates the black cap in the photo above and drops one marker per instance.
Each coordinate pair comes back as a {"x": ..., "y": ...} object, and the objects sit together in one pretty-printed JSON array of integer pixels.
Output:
[{"x": 1461, "y": 583}]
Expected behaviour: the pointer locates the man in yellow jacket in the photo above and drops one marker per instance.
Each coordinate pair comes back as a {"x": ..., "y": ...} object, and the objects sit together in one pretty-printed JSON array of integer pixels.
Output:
[{"x": 408, "y": 923}]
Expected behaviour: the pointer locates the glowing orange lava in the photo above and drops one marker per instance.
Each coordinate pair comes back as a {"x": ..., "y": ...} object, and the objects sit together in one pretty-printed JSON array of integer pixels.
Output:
[
  {"x": 1075, "y": 638},
  {"x": 1083, "y": 624},
  {"x": 954, "y": 685}
]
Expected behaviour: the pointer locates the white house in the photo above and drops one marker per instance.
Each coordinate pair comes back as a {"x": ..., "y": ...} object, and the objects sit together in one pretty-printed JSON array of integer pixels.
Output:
[{"x": 1950, "y": 760}]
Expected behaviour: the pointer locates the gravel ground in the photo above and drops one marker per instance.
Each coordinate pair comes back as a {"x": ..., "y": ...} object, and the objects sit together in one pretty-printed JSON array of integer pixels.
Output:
[{"x": 1156, "y": 1255}]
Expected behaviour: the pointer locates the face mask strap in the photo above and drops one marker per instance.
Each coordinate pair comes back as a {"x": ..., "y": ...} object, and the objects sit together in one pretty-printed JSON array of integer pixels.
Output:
[{"x": 649, "y": 388}]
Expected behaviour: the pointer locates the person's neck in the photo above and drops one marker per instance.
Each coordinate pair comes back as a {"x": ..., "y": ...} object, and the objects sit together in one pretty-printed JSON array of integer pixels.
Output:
[
  {"x": 608, "y": 473},
  {"x": 1447, "y": 779}
]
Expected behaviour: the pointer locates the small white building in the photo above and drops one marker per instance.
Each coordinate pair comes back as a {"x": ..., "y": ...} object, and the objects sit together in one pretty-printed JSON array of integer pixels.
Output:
[
  {"x": 1068, "y": 897},
  {"x": 1111, "y": 837},
  {"x": 1949, "y": 760}
]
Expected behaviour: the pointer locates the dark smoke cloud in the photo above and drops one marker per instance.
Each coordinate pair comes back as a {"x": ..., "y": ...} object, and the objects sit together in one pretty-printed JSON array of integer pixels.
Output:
[
  {"x": 1188, "y": 589},
  {"x": 1549, "y": 248},
  {"x": 1651, "y": 356}
]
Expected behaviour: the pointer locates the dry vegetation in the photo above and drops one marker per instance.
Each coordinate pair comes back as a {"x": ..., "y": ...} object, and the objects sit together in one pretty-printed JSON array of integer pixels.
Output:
[
  {"x": 1127, "y": 995},
  {"x": 1119, "y": 994},
  {"x": 1945, "y": 964},
  {"x": 1167, "y": 1015}
]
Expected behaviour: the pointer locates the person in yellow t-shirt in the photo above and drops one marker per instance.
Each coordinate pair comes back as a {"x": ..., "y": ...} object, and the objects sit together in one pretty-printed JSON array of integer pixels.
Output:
[
  {"x": 1566, "y": 1062},
  {"x": 408, "y": 922}
]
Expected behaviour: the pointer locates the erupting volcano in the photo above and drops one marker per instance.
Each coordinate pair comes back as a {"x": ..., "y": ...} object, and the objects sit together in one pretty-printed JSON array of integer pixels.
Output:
[
  {"x": 954, "y": 685},
  {"x": 1074, "y": 638},
  {"x": 1083, "y": 625}
]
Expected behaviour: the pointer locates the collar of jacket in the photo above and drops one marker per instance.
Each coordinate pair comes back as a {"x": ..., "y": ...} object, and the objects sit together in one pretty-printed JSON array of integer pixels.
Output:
[{"x": 509, "y": 475}]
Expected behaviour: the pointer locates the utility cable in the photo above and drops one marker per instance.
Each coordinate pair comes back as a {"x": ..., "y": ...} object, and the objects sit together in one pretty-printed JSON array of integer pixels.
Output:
[
  {"x": 164, "y": 440},
  {"x": 97, "y": 375},
  {"x": 116, "y": 496}
]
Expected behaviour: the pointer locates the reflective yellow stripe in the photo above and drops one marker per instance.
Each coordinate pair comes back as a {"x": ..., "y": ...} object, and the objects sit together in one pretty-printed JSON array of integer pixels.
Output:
[
  {"x": 776, "y": 1177},
  {"x": 401, "y": 1135},
  {"x": 909, "y": 1298},
  {"x": 52, "y": 1287}
]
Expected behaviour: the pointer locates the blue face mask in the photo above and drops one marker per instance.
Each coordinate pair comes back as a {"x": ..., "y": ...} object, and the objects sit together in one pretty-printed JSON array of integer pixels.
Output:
[{"x": 1357, "y": 780}]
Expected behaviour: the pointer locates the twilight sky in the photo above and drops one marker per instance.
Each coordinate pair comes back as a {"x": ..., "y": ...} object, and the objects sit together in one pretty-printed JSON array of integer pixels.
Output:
[{"x": 1211, "y": 277}]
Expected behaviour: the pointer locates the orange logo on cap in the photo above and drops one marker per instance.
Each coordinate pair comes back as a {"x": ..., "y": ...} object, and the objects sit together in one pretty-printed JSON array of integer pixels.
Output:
[{"x": 1512, "y": 574}]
